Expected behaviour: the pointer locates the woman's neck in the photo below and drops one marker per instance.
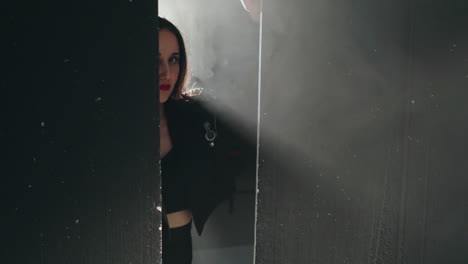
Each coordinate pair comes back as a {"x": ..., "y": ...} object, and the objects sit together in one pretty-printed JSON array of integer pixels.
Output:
[{"x": 162, "y": 115}]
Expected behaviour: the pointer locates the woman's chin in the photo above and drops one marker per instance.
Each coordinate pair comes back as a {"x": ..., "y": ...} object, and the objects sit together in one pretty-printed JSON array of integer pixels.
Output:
[
  {"x": 163, "y": 99},
  {"x": 164, "y": 95}
]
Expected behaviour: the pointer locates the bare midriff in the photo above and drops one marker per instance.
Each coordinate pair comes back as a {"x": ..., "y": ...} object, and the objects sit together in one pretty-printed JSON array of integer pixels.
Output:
[{"x": 180, "y": 218}]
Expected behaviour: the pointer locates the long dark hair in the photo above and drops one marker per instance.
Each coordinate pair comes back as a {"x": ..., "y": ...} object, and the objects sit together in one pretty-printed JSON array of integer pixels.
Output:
[{"x": 181, "y": 82}]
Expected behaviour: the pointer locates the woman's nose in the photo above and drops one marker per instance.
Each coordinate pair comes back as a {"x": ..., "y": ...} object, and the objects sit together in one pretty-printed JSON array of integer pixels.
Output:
[{"x": 163, "y": 71}]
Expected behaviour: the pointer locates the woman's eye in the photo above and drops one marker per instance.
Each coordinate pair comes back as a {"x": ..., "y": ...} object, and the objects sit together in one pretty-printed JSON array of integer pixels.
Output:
[{"x": 173, "y": 60}]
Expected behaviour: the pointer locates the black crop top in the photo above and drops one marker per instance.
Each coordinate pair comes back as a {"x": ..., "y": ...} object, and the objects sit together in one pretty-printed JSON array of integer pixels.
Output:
[
  {"x": 174, "y": 184},
  {"x": 194, "y": 174}
]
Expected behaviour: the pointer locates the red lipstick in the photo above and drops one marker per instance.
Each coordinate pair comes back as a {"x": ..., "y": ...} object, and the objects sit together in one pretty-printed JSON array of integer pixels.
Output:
[{"x": 164, "y": 87}]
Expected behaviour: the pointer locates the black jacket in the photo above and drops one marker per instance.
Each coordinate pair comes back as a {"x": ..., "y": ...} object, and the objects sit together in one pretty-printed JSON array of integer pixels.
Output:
[{"x": 209, "y": 152}]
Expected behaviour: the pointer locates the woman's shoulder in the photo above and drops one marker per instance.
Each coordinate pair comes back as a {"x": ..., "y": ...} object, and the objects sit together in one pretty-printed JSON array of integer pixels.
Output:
[{"x": 194, "y": 105}]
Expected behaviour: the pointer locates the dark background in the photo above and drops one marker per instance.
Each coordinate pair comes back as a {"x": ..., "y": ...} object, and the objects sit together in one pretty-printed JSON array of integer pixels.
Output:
[
  {"x": 80, "y": 137},
  {"x": 363, "y": 142}
]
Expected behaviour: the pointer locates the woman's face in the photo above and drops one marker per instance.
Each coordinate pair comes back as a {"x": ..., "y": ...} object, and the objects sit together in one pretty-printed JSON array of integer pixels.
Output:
[{"x": 168, "y": 64}]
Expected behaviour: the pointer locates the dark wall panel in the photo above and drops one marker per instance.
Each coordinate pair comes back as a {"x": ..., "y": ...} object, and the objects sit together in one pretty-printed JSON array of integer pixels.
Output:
[
  {"x": 81, "y": 180},
  {"x": 436, "y": 200},
  {"x": 359, "y": 124}
]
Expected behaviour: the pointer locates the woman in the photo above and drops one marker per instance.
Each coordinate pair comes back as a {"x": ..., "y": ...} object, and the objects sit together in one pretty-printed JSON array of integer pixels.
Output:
[{"x": 197, "y": 156}]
